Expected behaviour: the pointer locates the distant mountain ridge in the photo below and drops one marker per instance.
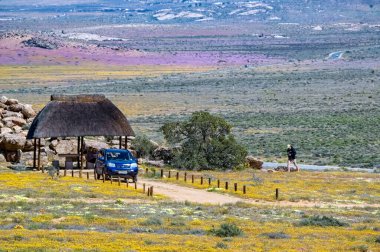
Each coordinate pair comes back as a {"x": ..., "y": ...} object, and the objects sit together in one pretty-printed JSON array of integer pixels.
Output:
[{"x": 187, "y": 11}]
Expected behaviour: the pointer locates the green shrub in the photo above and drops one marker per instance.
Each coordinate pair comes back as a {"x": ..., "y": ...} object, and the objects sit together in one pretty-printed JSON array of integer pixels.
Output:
[
  {"x": 276, "y": 235},
  {"x": 227, "y": 230},
  {"x": 221, "y": 245},
  {"x": 322, "y": 221},
  {"x": 153, "y": 221},
  {"x": 377, "y": 239}
]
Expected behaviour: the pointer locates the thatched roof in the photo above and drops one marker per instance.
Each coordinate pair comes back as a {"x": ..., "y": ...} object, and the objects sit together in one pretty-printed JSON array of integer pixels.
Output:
[{"x": 79, "y": 115}]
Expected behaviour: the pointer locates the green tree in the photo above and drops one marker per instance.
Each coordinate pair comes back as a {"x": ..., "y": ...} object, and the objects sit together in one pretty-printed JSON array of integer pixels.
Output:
[{"x": 205, "y": 142}]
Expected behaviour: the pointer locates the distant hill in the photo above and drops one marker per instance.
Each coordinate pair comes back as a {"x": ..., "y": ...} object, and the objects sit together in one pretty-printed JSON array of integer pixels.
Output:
[{"x": 187, "y": 11}]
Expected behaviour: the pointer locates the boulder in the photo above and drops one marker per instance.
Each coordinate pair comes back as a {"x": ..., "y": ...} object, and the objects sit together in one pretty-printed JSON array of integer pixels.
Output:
[
  {"x": 66, "y": 147},
  {"x": 95, "y": 144},
  {"x": 3, "y": 106},
  {"x": 163, "y": 153},
  {"x": 8, "y": 124},
  {"x": 5, "y": 130},
  {"x": 29, "y": 146},
  {"x": 254, "y": 163},
  {"x": 16, "y": 107},
  {"x": 13, "y": 142},
  {"x": 1, "y": 125},
  {"x": 28, "y": 111},
  {"x": 3, "y": 99},
  {"x": 11, "y": 102},
  {"x": 15, "y": 120},
  {"x": 2, "y": 158},
  {"x": 27, "y": 159},
  {"x": 12, "y": 114}
]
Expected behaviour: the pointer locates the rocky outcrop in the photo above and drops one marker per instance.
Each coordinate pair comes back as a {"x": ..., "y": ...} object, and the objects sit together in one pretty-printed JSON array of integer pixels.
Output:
[
  {"x": 254, "y": 163},
  {"x": 12, "y": 142}
]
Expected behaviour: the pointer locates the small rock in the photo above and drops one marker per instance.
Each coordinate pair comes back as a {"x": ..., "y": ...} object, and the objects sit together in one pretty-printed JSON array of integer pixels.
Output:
[
  {"x": 12, "y": 114},
  {"x": 16, "y": 120},
  {"x": 8, "y": 124},
  {"x": 17, "y": 129},
  {"x": 3, "y": 99},
  {"x": 3, "y": 106},
  {"x": 28, "y": 111},
  {"x": 95, "y": 144},
  {"x": 1, "y": 125},
  {"x": 16, "y": 107},
  {"x": 11, "y": 102}
]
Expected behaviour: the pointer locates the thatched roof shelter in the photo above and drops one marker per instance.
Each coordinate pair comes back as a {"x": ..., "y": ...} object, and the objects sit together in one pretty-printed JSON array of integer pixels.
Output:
[{"x": 79, "y": 116}]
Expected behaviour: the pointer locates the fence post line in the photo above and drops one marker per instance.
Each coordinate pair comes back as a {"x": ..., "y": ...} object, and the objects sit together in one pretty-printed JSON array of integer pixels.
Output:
[
  {"x": 162, "y": 173},
  {"x": 151, "y": 191},
  {"x": 185, "y": 178},
  {"x": 201, "y": 180},
  {"x": 135, "y": 185},
  {"x": 127, "y": 183},
  {"x": 244, "y": 189},
  {"x": 209, "y": 181},
  {"x": 118, "y": 180},
  {"x": 88, "y": 175},
  {"x": 64, "y": 172},
  {"x": 177, "y": 176},
  {"x": 72, "y": 173},
  {"x": 192, "y": 178},
  {"x": 218, "y": 183},
  {"x": 144, "y": 188},
  {"x": 111, "y": 179},
  {"x": 170, "y": 174},
  {"x": 235, "y": 187},
  {"x": 226, "y": 186}
]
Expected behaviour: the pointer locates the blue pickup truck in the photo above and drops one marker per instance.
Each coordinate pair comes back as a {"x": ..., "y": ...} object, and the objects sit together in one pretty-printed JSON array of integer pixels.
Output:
[{"x": 116, "y": 163}]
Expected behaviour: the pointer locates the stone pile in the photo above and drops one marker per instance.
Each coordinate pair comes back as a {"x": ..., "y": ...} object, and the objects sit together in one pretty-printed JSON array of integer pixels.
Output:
[{"x": 15, "y": 120}]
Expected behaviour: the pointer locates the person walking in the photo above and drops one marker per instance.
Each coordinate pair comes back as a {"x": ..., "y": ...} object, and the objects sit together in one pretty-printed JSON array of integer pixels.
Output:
[{"x": 292, "y": 157}]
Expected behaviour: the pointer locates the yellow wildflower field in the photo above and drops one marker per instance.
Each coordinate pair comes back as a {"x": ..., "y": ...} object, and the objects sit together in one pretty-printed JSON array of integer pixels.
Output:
[{"x": 38, "y": 213}]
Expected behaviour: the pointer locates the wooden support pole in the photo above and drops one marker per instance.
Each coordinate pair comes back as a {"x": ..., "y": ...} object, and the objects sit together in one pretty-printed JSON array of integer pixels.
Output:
[
  {"x": 192, "y": 178},
  {"x": 126, "y": 142},
  {"x": 120, "y": 139},
  {"x": 185, "y": 177},
  {"x": 35, "y": 154},
  {"x": 226, "y": 186},
  {"x": 81, "y": 156},
  {"x": 218, "y": 183},
  {"x": 39, "y": 154},
  {"x": 144, "y": 188},
  {"x": 235, "y": 187},
  {"x": 78, "y": 152},
  {"x": 162, "y": 173},
  {"x": 277, "y": 193},
  {"x": 201, "y": 180},
  {"x": 209, "y": 181},
  {"x": 118, "y": 181},
  {"x": 244, "y": 189},
  {"x": 177, "y": 176}
]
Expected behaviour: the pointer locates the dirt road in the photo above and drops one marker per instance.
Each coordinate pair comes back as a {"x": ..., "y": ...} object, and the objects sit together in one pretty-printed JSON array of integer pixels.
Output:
[{"x": 181, "y": 193}]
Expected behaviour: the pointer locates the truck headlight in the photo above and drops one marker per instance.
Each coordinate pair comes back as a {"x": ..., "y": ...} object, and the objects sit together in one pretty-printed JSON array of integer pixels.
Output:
[
  {"x": 133, "y": 165},
  {"x": 111, "y": 165}
]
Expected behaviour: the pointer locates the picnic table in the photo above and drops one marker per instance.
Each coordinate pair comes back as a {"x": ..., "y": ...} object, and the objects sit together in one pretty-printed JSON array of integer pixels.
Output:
[{"x": 69, "y": 159}]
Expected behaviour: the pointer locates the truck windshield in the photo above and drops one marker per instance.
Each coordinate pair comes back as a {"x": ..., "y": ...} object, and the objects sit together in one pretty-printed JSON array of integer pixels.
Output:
[{"x": 118, "y": 156}]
